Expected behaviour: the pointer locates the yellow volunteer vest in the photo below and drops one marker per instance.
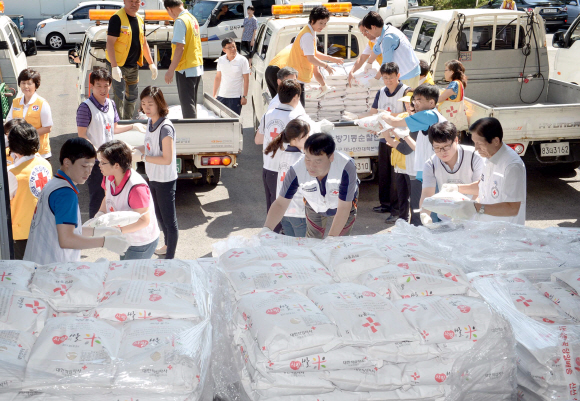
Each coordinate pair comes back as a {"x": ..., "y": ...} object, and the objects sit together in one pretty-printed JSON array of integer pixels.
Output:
[
  {"x": 281, "y": 59},
  {"x": 429, "y": 79},
  {"x": 123, "y": 42},
  {"x": 33, "y": 118},
  {"x": 508, "y": 5},
  {"x": 460, "y": 92},
  {"x": 297, "y": 59},
  {"x": 379, "y": 57},
  {"x": 9, "y": 159},
  {"x": 32, "y": 176},
  {"x": 397, "y": 158},
  {"x": 192, "y": 55}
]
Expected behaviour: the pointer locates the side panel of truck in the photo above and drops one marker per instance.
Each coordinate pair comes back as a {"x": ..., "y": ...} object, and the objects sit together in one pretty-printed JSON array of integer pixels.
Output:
[{"x": 13, "y": 59}]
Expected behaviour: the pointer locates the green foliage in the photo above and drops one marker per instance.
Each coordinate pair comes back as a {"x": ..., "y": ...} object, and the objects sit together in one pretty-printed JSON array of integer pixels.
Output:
[{"x": 450, "y": 4}]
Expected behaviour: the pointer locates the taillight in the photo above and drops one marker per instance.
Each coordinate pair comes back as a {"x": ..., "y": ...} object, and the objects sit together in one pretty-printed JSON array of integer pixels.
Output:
[
  {"x": 529, "y": 10},
  {"x": 565, "y": 9},
  {"x": 216, "y": 160},
  {"x": 517, "y": 147}
]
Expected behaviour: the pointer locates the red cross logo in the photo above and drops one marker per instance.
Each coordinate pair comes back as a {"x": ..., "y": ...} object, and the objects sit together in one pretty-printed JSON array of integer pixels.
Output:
[
  {"x": 451, "y": 111},
  {"x": 451, "y": 276},
  {"x": 108, "y": 127},
  {"x": 409, "y": 308},
  {"x": 4, "y": 275},
  {"x": 470, "y": 331},
  {"x": 411, "y": 275},
  {"x": 371, "y": 324},
  {"x": 148, "y": 147},
  {"x": 415, "y": 376},
  {"x": 84, "y": 367},
  {"x": 93, "y": 338},
  {"x": 525, "y": 301},
  {"x": 494, "y": 192},
  {"x": 63, "y": 289},
  {"x": 111, "y": 209},
  {"x": 389, "y": 109},
  {"x": 41, "y": 182},
  {"x": 283, "y": 176},
  {"x": 170, "y": 367},
  {"x": 35, "y": 306},
  {"x": 274, "y": 133},
  {"x": 424, "y": 334},
  {"x": 335, "y": 192},
  {"x": 235, "y": 254}
]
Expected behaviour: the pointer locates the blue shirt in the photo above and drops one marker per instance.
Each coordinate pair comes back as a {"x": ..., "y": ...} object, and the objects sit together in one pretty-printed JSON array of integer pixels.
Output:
[
  {"x": 454, "y": 86},
  {"x": 64, "y": 202},
  {"x": 421, "y": 121},
  {"x": 179, "y": 31},
  {"x": 250, "y": 26},
  {"x": 387, "y": 48}
]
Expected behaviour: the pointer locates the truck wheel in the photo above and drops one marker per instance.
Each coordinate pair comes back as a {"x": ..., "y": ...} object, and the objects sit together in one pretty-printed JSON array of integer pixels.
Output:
[{"x": 55, "y": 41}]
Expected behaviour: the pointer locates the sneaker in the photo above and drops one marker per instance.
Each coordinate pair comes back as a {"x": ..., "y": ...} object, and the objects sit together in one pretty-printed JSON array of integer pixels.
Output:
[
  {"x": 324, "y": 90},
  {"x": 392, "y": 219},
  {"x": 161, "y": 251},
  {"x": 381, "y": 209}
]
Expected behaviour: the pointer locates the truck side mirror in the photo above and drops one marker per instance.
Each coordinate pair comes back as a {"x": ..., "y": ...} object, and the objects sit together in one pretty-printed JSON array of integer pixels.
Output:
[
  {"x": 69, "y": 17},
  {"x": 73, "y": 57},
  {"x": 558, "y": 39},
  {"x": 30, "y": 47},
  {"x": 383, "y": 4}
]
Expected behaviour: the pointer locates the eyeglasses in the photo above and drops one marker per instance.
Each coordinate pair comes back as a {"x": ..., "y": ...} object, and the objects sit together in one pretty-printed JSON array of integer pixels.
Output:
[
  {"x": 442, "y": 149},
  {"x": 230, "y": 47}
]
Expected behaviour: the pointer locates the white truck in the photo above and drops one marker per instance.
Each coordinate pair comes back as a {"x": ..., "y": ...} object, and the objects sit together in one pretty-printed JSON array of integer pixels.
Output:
[
  {"x": 205, "y": 146},
  {"x": 394, "y": 12},
  {"x": 567, "y": 57}
]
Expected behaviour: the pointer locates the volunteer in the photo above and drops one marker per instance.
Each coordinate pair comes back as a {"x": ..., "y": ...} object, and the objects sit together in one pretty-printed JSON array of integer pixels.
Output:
[
  {"x": 304, "y": 57},
  {"x": 233, "y": 70},
  {"x": 271, "y": 126},
  {"x": 283, "y": 75},
  {"x": 425, "y": 76},
  {"x": 501, "y": 190},
  {"x": 451, "y": 164},
  {"x": 293, "y": 137},
  {"x": 126, "y": 190},
  {"x": 393, "y": 45},
  {"x": 328, "y": 181},
  {"x": 186, "y": 57},
  {"x": 34, "y": 109},
  {"x": 26, "y": 179},
  {"x": 97, "y": 119},
  {"x": 451, "y": 104},
  {"x": 158, "y": 153},
  {"x": 126, "y": 48},
  {"x": 364, "y": 56},
  {"x": 56, "y": 232},
  {"x": 7, "y": 127},
  {"x": 509, "y": 5}
]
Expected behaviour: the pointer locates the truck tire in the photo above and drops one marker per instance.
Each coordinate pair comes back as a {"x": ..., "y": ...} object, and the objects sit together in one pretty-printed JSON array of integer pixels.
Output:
[{"x": 55, "y": 41}]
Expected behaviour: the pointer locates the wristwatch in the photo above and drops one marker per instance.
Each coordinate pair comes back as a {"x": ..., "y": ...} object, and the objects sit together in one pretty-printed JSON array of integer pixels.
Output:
[
  {"x": 481, "y": 209},
  {"x": 243, "y": 96}
]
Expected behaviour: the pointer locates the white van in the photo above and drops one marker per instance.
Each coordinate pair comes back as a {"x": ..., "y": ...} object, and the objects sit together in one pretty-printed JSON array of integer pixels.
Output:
[
  {"x": 394, "y": 12},
  {"x": 13, "y": 52},
  {"x": 568, "y": 54}
]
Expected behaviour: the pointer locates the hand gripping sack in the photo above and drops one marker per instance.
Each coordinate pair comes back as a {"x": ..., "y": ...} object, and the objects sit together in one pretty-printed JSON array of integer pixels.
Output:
[
  {"x": 564, "y": 297},
  {"x": 155, "y": 270},
  {"x": 23, "y": 313},
  {"x": 444, "y": 202},
  {"x": 286, "y": 324},
  {"x": 238, "y": 257},
  {"x": 15, "y": 347},
  {"x": 362, "y": 316},
  {"x": 71, "y": 286},
  {"x": 74, "y": 355},
  {"x": 16, "y": 274},
  {"x": 446, "y": 319}
]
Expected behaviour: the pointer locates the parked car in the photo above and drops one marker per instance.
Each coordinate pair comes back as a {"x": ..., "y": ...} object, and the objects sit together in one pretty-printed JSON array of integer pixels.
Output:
[
  {"x": 554, "y": 12},
  {"x": 19, "y": 22},
  {"x": 573, "y": 10},
  {"x": 568, "y": 54},
  {"x": 70, "y": 27}
]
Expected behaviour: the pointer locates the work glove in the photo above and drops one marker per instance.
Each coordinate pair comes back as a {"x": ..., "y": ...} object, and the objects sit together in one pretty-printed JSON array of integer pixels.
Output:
[
  {"x": 426, "y": 219},
  {"x": 465, "y": 210},
  {"x": 449, "y": 188},
  {"x": 401, "y": 133},
  {"x": 265, "y": 230},
  {"x": 117, "y": 74},
  {"x": 117, "y": 244},
  {"x": 154, "y": 71},
  {"x": 106, "y": 231},
  {"x": 137, "y": 155},
  {"x": 139, "y": 127},
  {"x": 367, "y": 67},
  {"x": 347, "y": 115}
]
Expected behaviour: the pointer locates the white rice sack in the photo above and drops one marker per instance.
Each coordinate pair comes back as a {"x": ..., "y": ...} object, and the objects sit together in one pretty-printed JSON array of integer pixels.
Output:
[
  {"x": 386, "y": 378},
  {"x": 372, "y": 123},
  {"x": 414, "y": 351},
  {"x": 356, "y": 90},
  {"x": 160, "y": 356},
  {"x": 363, "y": 318},
  {"x": 444, "y": 202},
  {"x": 365, "y": 79},
  {"x": 311, "y": 91},
  {"x": 22, "y": 313},
  {"x": 564, "y": 297},
  {"x": 570, "y": 277},
  {"x": 16, "y": 274},
  {"x": 71, "y": 286},
  {"x": 34, "y": 396},
  {"x": 416, "y": 279},
  {"x": 157, "y": 270},
  {"x": 332, "y": 103},
  {"x": 238, "y": 257},
  {"x": 426, "y": 393},
  {"x": 74, "y": 355},
  {"x": 113, "y": 219},
  {"x": 137, "y": 299},
  {"x": 350, "y": 102},
  {"x": 15, "y": 347},
  {"x": 290, "y": 384},
  {"x": 265, "y": 276},
  {"x": 273, "y": 239},
  {"x": 287, "y": 325},
  {"x": 359, "y": 97},
  {"x": 446, "y": 319}
]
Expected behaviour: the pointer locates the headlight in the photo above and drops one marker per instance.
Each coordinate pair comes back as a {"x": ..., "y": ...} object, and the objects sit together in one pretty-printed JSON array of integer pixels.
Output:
[{"x": 40, "y": 26}]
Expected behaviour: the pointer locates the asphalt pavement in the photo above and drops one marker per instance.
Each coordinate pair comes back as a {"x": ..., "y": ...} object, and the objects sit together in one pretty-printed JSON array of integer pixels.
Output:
[{"x": 237, "y": 204}]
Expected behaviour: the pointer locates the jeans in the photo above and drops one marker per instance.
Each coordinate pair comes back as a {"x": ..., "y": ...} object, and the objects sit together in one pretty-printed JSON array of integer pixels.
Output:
[
  {"x": 294, "y": 226},
  {"x": 403, "y": 191},
  {"x": 270, "y": 179},
  {"x": 316, "y": 223},
  {"x": 163, "y": 194},
  {"x": 96, "y": 191},
  {"x": 140, "y": 252},
  {"x": 233, "y": 103},
  {"x": 129, "y": 86},
  {"x": 187, "y": 91}
]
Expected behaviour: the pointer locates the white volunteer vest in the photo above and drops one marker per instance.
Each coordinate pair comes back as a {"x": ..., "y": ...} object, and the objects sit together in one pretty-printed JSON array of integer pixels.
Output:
[
  {"x": 43, "y": 246},
  {"x": 463, "y": 175},
  {"x": 157, "y": 172},
  {"x": 391, "y": 103},
  {"x": 423, "y": 148},
  {"x": 492, "y": 186},
  {"x": 102, "y": 126},
  {"x": 311, "y": 189},
  {"x": 273, "y": 123},
  {"x": 120, "y": 203},
  {"x": 403, "y": 55},
  {"x": 296, "y": 207}
]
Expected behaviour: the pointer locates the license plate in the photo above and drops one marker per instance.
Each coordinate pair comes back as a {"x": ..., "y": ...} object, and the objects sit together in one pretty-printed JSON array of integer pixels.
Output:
[
  {"x": 178, "y": 165},
  {"x": 550, "y": 10},
  {"x": 363, "y": 165},
  {"x": 555, "y": 149}
]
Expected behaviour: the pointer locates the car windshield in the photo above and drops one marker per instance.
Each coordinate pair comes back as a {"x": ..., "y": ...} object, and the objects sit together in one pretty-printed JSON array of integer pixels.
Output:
[
  {"x": 59, "y": 16},
  {"x": 359, "y": 2},
  {"x": 202, "y": 10}
]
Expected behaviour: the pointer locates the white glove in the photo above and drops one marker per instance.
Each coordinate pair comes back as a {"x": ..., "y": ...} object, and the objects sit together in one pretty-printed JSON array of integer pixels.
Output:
[
  {"x": 426, "y": 219},
  {"x": 139, "y": 127},
  {"x": 464, "y": 211},
  {"x": 449, "y": 188},
  {"x": 265, "y": 230},
  {"x": 137, "y": 155},
  {"x": 367, "y": 67},
  {"x": 106, "y": 231},
  {"x": 117, "y": 74},
  {"x": 347, "y": 115},
  {"x": 117, "y": 244},
  {"x": 154, "y": 71},
  {"x": 401, "y": 133},
  {"x": 91, "y": 222}
]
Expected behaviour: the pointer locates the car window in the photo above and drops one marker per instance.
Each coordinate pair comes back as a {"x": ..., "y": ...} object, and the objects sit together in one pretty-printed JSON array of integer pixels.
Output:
[
  {"x": 482, "y": 38},
  {"x": 235, "y": 12},
  {"x": 266, "y": 43},
  {"x": 110, "y": 7},
  {"x": 202, "y": 10},
  {"x": 14, "y": 42},
  {"x": 409, "y": 27},
  {"x": 263, "y": 8},
  {"x": 83, "y": 12},
  {"x": 575, "y": 35},
  {"x": 425, "y": 37},
  {"x": 337, "y": 46}
]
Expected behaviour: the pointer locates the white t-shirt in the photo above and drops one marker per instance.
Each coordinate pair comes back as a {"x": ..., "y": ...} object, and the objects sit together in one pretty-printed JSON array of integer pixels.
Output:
[
  {"x": 45, "y": 113},
  {"x": 307, "y": 43},
  {"x": 232, "y": 83},
  {"x": 503, "y": 180},
  {"x": 368, "y": 50},
  {"x": 299, "y": 109}
]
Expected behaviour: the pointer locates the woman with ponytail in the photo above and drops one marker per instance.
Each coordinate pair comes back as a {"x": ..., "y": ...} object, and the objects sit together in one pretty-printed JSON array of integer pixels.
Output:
[
  {"x": 451, "y": 104},
  {"x": 294, "y": 136}
]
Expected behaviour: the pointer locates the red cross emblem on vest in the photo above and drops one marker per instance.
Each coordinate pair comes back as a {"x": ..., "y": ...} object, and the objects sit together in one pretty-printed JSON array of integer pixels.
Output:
[
  {"x": 283, "y": 176},
  {"x": 451, "y": 111},
  {"x": 494, "y": 192},
  {"x": 389, "y": 109},
  {"x": 108, "y": 127},
  {"x": 41, "y": 181},
  {"x": 274, "y": 133}
]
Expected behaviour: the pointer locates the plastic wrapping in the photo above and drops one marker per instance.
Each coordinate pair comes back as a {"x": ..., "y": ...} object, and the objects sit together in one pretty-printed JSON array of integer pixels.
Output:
[
  {"x": 15, "y": 347},
  {"x": 158, "y": 270},
  {"x": 113, "y": 219},
  {"x": 444, "y": 203},
  {"x": 23, "y": 313},
  {"x": 16, "y": 274}
]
